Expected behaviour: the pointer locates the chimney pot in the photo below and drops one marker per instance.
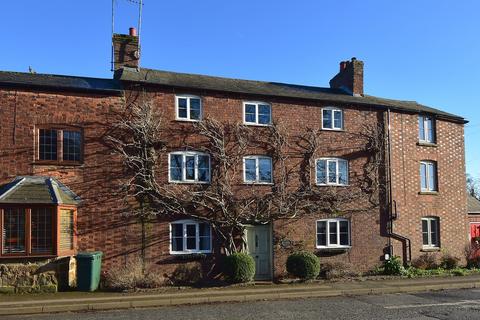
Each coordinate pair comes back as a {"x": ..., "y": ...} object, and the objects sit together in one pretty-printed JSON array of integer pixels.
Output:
[
  {"x": 132, "y": 32},
  {"x": 343, "y": 65}
]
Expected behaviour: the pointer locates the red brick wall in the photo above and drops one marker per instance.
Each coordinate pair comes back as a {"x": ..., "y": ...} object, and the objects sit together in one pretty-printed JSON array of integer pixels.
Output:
[
  {"x": 101, "y": 223},
  {"x": 450, "y": 202}
]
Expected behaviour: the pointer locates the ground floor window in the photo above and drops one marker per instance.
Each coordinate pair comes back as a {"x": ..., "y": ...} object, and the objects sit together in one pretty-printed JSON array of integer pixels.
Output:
[
  {"x": 190, "y": 236},
  {"x": 333, "y": 233},
  {"x": 32, "y": 231},
  {"x": 430, "y": 232}
]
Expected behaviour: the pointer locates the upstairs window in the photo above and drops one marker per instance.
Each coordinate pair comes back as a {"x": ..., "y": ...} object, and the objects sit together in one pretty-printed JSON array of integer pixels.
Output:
[
  {"x": 426, "y": 126},
  {"x": 189, "y": 108},
  {"x": 332, "y": 171},
  {"x": 258, "y": 113},
  {"x": 428, "y": 176},
  {"x": 333, "y": 233},
  {"x": 59, "y": 145},
  {"x": 189, "y": 236},
  {"x": 257, "y": 169},
  {"x": 188, "y": 166},
  {"x": 430, "y": 232},
  {"x": 332, "y": 119}
]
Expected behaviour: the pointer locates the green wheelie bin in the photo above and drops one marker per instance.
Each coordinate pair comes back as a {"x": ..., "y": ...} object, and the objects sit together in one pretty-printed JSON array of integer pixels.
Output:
[{"x": 89, "y": 265}]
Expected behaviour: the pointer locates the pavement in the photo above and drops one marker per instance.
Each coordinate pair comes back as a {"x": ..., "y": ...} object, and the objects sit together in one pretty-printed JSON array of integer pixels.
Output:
[
  {"x": 84, "y": 302},
  {"x": 449, "y": 304}
]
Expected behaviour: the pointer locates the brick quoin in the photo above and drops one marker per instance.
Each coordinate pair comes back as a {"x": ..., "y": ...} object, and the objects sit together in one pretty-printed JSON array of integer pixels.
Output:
[{"x": 102, "y": 224}]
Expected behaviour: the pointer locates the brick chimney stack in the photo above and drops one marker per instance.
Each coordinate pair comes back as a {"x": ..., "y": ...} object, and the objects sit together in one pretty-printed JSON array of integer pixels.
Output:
[
  {"x": 126, "y": 50},
  {"x": 350, "y": 77}
]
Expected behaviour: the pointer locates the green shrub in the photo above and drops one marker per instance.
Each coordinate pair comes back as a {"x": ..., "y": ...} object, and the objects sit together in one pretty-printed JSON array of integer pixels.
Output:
[
  {"x": 304, "y": 265},
  {"x": 449, "y": 262},
  {"x": 459, "y": 272},
  {"x": 239, "y": 267},
  {"x": 425, "y": 262},
  {"x": 393, "y": 266}
]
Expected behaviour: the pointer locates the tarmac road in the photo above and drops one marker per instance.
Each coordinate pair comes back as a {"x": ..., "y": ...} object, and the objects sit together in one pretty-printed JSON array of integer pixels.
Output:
[{"x": 451, "y": 304}]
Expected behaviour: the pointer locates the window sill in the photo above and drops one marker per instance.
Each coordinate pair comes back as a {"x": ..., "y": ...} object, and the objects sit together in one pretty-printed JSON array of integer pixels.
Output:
[
  {"x": 257, "y": 124},
  {"x": 427, "y": 144},
  {"x": 23, "y": 256},
  {"x": 57, "y": 163},
  {"x": 334, "y": 249},
  {"x": 258, "y": 183},
  {"x": 337, "y": 130},
  {"x": 189, "y": 182},
  {"x": 431, "y": 193},
  {"x": 187, "y": 120},
  {"x": 430, "y": 249},
  {"x": 332, "y": 185}
]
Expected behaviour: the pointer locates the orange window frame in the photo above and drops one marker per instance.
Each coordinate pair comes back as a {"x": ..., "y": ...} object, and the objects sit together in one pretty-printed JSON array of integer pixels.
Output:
[
  {"x": 60, "y": 129},
  {"x": 28, "y": 232}
]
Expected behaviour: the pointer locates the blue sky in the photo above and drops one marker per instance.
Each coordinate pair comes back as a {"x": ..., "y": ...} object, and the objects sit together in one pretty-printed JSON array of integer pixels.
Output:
[{"x": 415, "y": 50}]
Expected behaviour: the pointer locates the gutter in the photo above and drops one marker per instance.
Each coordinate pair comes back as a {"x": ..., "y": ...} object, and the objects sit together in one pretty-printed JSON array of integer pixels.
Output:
[{"x": 392, "y": 204}]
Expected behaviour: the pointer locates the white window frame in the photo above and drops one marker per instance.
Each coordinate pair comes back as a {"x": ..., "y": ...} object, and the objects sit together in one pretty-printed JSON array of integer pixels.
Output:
[
  {"x": 429, "y": 232},
  {"x": 427, "y": 176},
  {"x": 184, "y": 154},
  {"x": 184, "y": 224},
  {"x": 337, "y": 183},
  {"x": 333, "y": 110},
  {"x": 257, "y": 170},
  {"x": 188, "y": 97},
  {"x": 425, "y": 119},
  {"x": 336, "y": 245},
  {"x": 256, "y": 103}
]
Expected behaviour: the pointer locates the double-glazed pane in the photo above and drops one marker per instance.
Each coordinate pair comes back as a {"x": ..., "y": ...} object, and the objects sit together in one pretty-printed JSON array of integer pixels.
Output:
[
  {"x": 177, "y": 236},
  {"x": 66, "y": 229},
  {"x": 428, "y": 176},
  {"x": 257, "y": 113},
  {"x": 42, "y": 230},
  {"x": 332, "y": 171},
  {"x": 333, "y": 232},
  {"x": 344, "y": 231},
  {"x": 426, "y": 127},
  {"x": 189, "y": 108},
  {"x": 191, "y": 236},
  {"x": 14, "y": 230},
  {"x": 176, "y": 161},
  {"x": 195, "y": 109},
  {"x": 430, "y": 232},
  {"x": 258, "y": 169},
  {"x": 321, "y": 233},
  {"x": 47, "y": 149},
  {"x": 189, "y": 167},
  {"x": 250, "y": 169},
  {"x": 204, "y": 236},
  {"x": 182, "y": 108},
  {"x": 332, "y": 119},
  {"x": 203, "y": 168},
  {"x": 71, "y": 145}
]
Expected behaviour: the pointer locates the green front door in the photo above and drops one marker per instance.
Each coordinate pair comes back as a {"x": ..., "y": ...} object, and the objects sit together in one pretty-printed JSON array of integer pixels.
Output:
[{"x": 259, "y": 246}]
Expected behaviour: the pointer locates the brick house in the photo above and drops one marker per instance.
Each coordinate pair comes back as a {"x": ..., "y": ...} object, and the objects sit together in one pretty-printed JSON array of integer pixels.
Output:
[{"x": 53, "y": 128}]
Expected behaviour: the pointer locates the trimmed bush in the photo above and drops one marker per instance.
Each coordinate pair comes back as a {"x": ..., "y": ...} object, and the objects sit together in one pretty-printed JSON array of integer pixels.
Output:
[
  {"x": 239, "y": 267},
  {"x": 131, "y": 276},
  {"x": 304, "y": 265},
  {"x": 393, "y": 266}
]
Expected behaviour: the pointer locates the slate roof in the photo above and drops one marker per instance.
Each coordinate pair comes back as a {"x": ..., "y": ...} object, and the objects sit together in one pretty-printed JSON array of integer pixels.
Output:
[
  {"x": 59, "y": 82},
  {"x": 203, "y": 82},
  {"x": 37, "y": 190},
  {"x": 276, "y": 89},
  {"x": 473, "y": 204}
]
